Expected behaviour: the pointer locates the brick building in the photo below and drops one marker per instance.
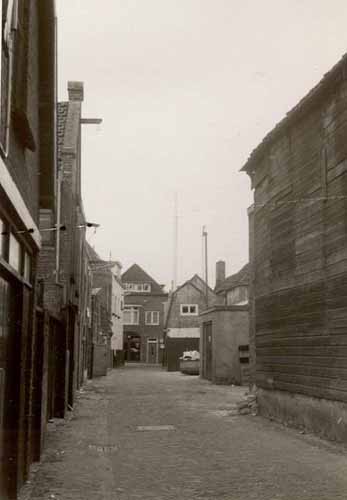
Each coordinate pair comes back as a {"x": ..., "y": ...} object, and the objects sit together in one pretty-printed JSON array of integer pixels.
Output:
[
  {"x": 299, "y": 267},
  {"x": 143, "y": 316},
  {"x": 106, "y": 314},
  {"x": 63, "y": 269},
  {"x": 27, "y": 182},
  {"x": 182, "y": 324}
]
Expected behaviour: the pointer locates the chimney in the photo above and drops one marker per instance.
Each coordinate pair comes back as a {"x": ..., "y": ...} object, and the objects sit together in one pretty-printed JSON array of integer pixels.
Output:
[
  {"x": 75, "y": 91},
  {"x": 220, "y": 272}
]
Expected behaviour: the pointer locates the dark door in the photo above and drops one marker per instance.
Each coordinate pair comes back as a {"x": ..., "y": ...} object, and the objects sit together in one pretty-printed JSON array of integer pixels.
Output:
[
  {"x": 134, "y": 348},
  {"x": 207, "y": 353},
  {"x": 72, "y": 355},
  {"x": 38, "y": 377},
  {"x": 51, "y": 370},
  {"x": 4, "y": 332},
  {"x": 152, "y": 351},
  {"x": 11, "y": 411}
]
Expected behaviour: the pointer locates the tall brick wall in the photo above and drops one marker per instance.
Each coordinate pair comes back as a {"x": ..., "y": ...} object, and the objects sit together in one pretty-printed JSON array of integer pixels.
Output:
[{"x": 25, "y": 164}]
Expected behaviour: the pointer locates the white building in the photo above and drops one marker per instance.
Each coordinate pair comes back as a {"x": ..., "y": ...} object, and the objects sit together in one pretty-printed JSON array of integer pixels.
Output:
[{"x": 117, "y": 309}]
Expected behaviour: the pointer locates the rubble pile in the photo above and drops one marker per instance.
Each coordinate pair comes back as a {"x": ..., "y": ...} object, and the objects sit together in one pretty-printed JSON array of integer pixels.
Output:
[{"x": 248, "y": 406}]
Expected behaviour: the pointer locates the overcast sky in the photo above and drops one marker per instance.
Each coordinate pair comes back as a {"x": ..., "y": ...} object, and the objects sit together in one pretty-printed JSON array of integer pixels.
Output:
[{"x": 186, "y": 89}]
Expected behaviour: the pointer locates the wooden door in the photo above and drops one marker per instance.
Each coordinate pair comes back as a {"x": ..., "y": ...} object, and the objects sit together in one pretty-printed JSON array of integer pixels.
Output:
[
  {"x": 152, "y": 351},
  {"x": 38, "y": 387},
  {"x": 4, "y": 340},
  {"x": 4, "y": 332},
  {"x": 207, "y": 350}
]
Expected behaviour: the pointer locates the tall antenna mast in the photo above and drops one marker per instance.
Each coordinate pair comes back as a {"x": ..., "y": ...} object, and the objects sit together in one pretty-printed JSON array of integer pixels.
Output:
[
  {"x": 204, "y": 235},
  {"x": 175, "y": 243}
]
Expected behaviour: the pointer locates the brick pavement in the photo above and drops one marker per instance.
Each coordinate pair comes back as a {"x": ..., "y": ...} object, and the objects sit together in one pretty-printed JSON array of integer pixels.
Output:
[{"x": 207, "y": 454}]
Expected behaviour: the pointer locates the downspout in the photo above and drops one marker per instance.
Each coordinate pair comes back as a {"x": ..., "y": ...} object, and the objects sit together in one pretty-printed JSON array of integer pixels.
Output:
[
  {"x": 59, "y": 170},
  {"x": 57, "y": 242}
]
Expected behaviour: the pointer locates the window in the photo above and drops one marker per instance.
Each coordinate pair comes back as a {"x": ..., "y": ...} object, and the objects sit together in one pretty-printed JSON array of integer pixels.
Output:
[
  {"x": 27, "y": 267},
  {"x": 189, "y": 309},
  {"x": 138, "y": 287},
  {"x": 11, "y": 20},
  {"x": 152, "y": 318},
  {"x": 4, "y": 308},
  {"x": 14, "y": 253},
  {"x": 131, "y": 316},
  {"x": 238, "y": 296},
  {"x": 3, "y": 239},
  {"x": 244, "y": 354},
  {"x": 6, "y": 63}
]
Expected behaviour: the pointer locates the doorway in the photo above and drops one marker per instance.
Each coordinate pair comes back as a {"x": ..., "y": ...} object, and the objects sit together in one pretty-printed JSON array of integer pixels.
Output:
[
  {"x": 133, "y": 349},
  {"x": 13, "y": 322},
  {"x": 4, "y": 331},
  {"x": 152, "y": 351},
  {"x": 207, "y": 350}
]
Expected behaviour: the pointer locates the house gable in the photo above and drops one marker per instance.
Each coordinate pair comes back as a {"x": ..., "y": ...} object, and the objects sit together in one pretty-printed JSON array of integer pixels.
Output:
[
  {"x": 192, "y": 292},
  {"x": 136, "y": 275},
  {"x": 239, "y": 279}
]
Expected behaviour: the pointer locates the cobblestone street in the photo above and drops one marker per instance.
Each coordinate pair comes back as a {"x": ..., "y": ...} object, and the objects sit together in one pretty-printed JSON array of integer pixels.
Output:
[{"x": 141, "y": 433}]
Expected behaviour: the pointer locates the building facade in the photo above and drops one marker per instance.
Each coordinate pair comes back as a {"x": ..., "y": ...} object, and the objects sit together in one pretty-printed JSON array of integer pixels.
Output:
[
  {"x": 182, "y": 323},
  {"x": 106, "y": 335},
  {"x": 143, "y": 317},
  {"x": 224, "y": 344},
  {"x": 27, "y": 173},
  {"x": 234, "y": 289},
  {"x": 299, "y": 266},
  {"x": 63, "y": 266},
  {"x": 117, "y": 339}
]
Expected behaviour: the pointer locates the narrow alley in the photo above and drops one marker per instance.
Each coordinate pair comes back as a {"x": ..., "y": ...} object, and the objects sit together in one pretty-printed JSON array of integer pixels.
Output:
[{"x": 144, "y": 433}]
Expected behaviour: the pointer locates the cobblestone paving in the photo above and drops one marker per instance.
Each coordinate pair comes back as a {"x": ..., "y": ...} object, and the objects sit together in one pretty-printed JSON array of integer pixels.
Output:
[{"x": 192, "y": 449}]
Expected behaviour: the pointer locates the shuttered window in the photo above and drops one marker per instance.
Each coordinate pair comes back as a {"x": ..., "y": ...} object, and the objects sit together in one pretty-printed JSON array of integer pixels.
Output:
[{"x": 8, "y": 12}]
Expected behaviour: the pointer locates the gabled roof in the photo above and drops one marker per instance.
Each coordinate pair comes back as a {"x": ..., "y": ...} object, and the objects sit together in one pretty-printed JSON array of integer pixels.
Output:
[
  {"x": 196, "y": 282},
  {"x": 313, "y": 98},
  {"x": 95, "y": 262},
  {"x": 135, "y": 274},
  {"x": 238, "y": 279},
  {"x": 200, "y": 283}
]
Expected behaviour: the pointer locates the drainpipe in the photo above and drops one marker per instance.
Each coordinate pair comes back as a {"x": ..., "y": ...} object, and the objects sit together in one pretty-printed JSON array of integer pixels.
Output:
[
  {"x": 204, "y": 234},
  {"x": 57, "y": 240},
  {"x": 60, "y": 172}
]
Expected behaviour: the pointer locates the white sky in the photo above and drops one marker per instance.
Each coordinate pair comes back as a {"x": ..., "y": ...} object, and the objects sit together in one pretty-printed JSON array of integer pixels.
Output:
[{"x": 186, "y": 90}]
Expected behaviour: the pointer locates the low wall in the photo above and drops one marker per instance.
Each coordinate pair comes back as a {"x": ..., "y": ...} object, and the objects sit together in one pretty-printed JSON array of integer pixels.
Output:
[{"x": 323, "y": 417}]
